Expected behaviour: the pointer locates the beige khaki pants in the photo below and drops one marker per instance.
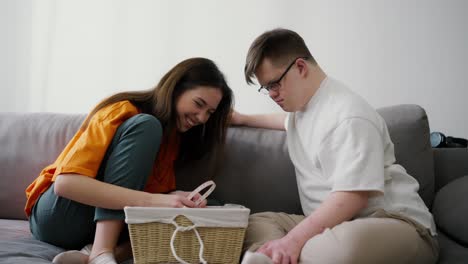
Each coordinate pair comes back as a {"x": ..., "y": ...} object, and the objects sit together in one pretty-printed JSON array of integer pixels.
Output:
[{"x": 379, "y": 238}]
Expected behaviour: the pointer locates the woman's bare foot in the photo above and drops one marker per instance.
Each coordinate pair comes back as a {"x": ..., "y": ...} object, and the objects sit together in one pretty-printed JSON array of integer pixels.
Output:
[
  {"x": 74, "y": 256},
  {"x": 103, "y": 258},
  {"x": 71, "y": 257}
]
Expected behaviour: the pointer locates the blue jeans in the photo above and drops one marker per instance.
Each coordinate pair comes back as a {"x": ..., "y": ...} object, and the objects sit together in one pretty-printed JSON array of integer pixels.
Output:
[{"x": 128, "y": 162}]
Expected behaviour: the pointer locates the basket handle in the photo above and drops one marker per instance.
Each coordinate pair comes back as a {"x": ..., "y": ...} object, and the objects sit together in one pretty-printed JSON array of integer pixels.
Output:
[
  {"x": 199, "y": 189},
  {"x": 183, "y": 229}
]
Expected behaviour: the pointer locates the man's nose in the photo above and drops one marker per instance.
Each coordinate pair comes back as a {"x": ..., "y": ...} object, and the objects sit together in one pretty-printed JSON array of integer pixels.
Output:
[{"x": 273, "y": 93}]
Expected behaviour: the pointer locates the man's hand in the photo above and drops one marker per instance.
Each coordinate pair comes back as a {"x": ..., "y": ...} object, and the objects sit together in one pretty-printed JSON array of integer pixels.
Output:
[
  {"x": 236, "y": 118},
  {"x": 282, "y": 251},
  {"x": 337, "y": 208}
]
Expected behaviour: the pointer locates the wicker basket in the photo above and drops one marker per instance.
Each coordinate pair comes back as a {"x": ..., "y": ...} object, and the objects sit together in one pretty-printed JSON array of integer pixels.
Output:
[{"x": 151, "y": 241}]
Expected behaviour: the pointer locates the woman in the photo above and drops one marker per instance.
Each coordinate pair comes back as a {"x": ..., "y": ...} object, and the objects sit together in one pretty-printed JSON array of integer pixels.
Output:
[{"x": 123, "y": 155}]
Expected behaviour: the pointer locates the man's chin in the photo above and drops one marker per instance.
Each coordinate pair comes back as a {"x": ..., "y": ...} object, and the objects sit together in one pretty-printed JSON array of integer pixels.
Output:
[
  {"x": 285, "y": 108},
  {"x": 288, "y": 110}
]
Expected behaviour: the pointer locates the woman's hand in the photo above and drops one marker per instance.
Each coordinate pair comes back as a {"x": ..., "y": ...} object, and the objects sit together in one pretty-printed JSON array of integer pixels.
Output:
[
  {"x": 170, "y": 200},
  {"x": 194, "y": 198}
]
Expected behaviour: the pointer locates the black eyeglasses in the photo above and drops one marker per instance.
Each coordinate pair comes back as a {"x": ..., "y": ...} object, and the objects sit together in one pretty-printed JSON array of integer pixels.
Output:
[{"x": 275, "y": 85}]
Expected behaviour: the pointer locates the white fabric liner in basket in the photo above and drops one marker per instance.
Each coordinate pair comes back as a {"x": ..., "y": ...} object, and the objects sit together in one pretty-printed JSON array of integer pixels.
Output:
[{"x": 211, "y": 216}]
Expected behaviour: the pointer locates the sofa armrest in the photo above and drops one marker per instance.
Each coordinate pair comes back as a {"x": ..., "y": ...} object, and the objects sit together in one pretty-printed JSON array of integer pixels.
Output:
[
  {"x": 449, "y": 164},
  {"x": 450, "y": 209}
]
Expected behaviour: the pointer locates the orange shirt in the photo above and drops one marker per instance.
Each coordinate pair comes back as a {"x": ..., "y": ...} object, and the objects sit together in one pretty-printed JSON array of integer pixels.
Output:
[
  {"x": 85, "y": 152},
  {"x": 162, "y": 178}
]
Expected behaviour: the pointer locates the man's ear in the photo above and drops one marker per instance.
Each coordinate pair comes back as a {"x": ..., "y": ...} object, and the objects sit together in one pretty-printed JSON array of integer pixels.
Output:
[{"x": 303, "y": 67}]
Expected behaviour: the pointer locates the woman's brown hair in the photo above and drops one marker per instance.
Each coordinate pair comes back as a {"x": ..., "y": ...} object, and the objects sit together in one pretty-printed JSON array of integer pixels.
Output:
[{"x": 160, "y": 102}]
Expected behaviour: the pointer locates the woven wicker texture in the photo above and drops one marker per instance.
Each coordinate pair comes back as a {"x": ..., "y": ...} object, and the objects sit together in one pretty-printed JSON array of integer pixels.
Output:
[{"x": 151, "y": 243}]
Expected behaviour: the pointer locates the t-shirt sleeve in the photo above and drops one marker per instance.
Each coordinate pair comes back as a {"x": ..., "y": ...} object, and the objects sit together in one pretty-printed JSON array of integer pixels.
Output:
[
  {"x": 286, "y": 121},
  {"x": 88, "y": 149},
  {"x": 352, "y": 157}
]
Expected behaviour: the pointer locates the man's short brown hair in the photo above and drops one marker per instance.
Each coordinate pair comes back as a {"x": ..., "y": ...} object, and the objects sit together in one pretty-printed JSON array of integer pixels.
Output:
[{"x": 279, "y": 45}]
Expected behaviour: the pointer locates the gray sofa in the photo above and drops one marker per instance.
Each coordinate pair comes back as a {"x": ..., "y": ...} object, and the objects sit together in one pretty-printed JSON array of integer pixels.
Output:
[{"x": 256, "y": 172}]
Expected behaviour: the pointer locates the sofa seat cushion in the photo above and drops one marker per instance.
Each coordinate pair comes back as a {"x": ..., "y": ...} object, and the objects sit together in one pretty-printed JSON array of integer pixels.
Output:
[
  {"x": 17, "y": 245},
  {"x": 451, "y": 209}
]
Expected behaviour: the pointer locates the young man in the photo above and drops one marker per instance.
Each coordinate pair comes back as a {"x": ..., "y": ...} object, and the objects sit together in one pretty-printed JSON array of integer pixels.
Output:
[{"x": 359, "y": 206}]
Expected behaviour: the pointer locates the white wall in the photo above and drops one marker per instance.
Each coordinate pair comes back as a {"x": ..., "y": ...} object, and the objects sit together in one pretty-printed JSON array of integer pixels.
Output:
[
  {"x": 15, "y": 38},
  {"x": 390, "y": 52}
]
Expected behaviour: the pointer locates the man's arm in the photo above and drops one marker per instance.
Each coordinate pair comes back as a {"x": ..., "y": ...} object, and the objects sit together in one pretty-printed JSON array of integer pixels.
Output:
[
  {"x": 337, "y": 208},
  {"x": 270, "y": 121}
]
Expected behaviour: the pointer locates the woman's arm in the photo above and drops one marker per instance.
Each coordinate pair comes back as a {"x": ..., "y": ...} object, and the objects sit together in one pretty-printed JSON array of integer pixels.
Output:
[
  {"x": 90, "y": 191},
  {"x": 270, "y": 121}
]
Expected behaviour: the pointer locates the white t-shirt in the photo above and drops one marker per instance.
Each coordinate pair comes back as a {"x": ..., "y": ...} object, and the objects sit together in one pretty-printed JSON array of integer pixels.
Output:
[{"x": 340, "y": 143}]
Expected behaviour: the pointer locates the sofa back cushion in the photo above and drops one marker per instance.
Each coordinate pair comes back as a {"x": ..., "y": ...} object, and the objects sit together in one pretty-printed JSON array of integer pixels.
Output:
[
  {"x": 255, "y": 169},
  {"x": 409, "y": 129},
  {"x": 28, "y": 143}
]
